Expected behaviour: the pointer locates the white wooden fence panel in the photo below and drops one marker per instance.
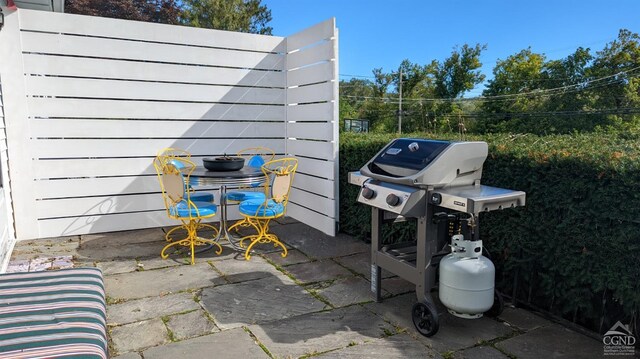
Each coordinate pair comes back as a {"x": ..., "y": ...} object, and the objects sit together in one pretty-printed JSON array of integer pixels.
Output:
[
  {"x": 86, "y": 108},
  {"x": 133, "y": 90},
  {"x": 57, "y": 44},
  {"x": 134, "y": 30},
  {"x": 99, "y": 97},
  {"x": 153, "y": 128},
  {"x": 312, "y": 132},
  {"x": 148, "y": 71}
]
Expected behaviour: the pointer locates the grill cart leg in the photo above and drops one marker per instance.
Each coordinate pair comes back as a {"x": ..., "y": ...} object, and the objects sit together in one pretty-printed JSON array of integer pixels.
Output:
[
  {"x": 376, "y": 245},
  {"x": 424, "y": 313}
]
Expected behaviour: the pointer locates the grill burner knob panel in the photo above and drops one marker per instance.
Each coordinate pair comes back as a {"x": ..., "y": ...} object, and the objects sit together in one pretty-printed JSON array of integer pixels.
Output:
[
  {"x": 368, "y": 193},
  {"x": 393, "y": 200}
]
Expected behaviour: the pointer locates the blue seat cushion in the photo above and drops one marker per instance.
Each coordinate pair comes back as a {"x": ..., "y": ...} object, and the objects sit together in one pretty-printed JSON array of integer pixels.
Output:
[
  {"x": 202, "y": 197},
  {"x": 240, "y": 196},
  {"x": 255, "y": 208},
  {"x": 182, "y": 209}
]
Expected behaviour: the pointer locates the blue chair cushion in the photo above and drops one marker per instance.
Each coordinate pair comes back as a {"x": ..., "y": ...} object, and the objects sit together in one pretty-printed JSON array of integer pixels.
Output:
[
  {"x": 255, "y": 208},
  {"x": 240, "y": 196},
  {"x": 202, "y": 197},
  {"x": 255, "y": 161},
  {"x": 204, "y": 209}
]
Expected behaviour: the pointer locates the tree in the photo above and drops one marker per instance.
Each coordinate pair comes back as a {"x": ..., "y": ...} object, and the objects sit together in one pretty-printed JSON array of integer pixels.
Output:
[
  {"x": 161, "y": 11},
  {"x": 459, "y": 73},
  {"x": 232, "y": 15}
]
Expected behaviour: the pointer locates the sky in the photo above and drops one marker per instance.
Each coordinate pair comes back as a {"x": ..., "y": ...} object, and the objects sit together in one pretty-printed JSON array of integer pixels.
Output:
[{"x": 379, "y": 33}]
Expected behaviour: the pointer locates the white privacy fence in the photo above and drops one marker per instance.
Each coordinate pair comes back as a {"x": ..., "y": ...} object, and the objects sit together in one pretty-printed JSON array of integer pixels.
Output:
[{"x": 93, "y": 99}]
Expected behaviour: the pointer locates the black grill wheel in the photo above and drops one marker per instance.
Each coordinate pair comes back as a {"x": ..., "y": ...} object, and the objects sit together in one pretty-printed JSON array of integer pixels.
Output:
[{"x": 425, "y": 318}]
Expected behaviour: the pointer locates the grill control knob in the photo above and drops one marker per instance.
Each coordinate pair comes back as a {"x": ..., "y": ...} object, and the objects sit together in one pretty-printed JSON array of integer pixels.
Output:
[
  {"x": 368, "y": 193},
  {"x": 393, "y": 200}
]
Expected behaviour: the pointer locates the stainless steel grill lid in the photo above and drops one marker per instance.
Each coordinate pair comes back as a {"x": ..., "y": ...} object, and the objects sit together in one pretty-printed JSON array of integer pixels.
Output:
[{"x": 423, "y": 162}]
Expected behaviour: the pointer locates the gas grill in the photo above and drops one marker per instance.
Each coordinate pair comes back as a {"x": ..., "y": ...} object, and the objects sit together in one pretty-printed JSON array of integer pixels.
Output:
[{"x": 437, "y": 183}]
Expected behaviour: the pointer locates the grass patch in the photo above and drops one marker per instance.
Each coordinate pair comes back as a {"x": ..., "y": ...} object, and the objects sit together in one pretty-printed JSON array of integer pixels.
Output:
[{"x": 165, "y": 321}]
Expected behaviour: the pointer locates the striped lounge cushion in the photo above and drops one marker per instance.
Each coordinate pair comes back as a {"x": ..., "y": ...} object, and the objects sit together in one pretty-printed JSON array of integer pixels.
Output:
[{"x": 53, "y": 314}]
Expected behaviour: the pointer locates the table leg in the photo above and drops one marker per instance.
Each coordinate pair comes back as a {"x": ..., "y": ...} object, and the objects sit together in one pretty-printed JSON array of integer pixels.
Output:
[{"x": 224, "y": 232}]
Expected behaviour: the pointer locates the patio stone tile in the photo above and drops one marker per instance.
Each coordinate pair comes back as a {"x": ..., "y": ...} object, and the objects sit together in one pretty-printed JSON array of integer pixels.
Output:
[
  {"x": 317, "y": 271},
  {"x": 241, "y": 270},
  {"x": 121, "y": 238},
  {"x": 523, "y": 319},
  {"x": 161, "y": 281},
  {"x": 397, "y": 286},
  {"x": 318, "y": 245},
  {"x": 256, "y": 301},
  {"x": 399, "y": 346},
  {"x": 189, "y": 325},
  {"x": 480, "y": 353},
  {"x": 552, "y": 342},
  {"x": 140, "y": 335},
  {"x": 117, "y": 266},
  {"x": 231, "y": 344},
  {"x": 148, "y": 308},
  {"x": 361, "y": 264},
  {"x": 66, "y": 246},
  {"x": 158, "y": 262},
  {"x": 286, "y": 220},
  {"x": 293, "y": 257},
  {"x": 454, "y": 334},
  {"x": 100, "y": 252},
  {"x": 130, "y": 355},
  {"x": 319, "y": 332},
  {"x": 347, "y": 291}
]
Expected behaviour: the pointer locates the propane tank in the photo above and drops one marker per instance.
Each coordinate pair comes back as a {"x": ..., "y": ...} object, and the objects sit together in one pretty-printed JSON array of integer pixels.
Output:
[{"x": 466, "y": 279}]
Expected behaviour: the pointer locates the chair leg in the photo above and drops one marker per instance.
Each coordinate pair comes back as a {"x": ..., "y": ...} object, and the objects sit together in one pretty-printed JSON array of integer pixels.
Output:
[
  {"x": 192, "y": 239},
  {"x": 262, "y": 225}
]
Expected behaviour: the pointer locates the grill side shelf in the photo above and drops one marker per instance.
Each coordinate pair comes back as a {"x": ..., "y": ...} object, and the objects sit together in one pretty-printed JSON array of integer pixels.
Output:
[{"x": 479, "y": 198}]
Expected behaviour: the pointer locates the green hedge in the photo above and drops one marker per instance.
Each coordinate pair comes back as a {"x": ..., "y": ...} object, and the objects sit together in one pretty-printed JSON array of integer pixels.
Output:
[{"x": 574, "y": 250}]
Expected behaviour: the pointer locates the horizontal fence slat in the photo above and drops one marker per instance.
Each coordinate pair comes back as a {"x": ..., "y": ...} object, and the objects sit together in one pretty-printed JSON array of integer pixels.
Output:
[
  {"x": 318, "y": 168},
  {"x": 108, "y": 186},
  {"x": 137, "y": 30},
  {"x": 76, "y": 148},
  {"x": 98, "y": 205},
  {"x": 311, "y": 112},
  {"x": 321, "y": 222},
  {"x": 311, "y": 74},
  {"x": 315, "y": 33},
  {"x": 312, "y": 93},
  {"x": 320, "y": 186},
  {"x": 312, "y": 201},
  {"x": 314, "y": 149},
  {"x": 312, "y": 131},
  {"x": 95, "y": 167},
  {"x": 120, "y": 69},
  {"x": 82, "y": 108},
  {"x": 49, "y": 128},
  {"x": 134, "y": 90},
  {"x": 311, "y": 55},
  {"x": 57, "y": 44}
]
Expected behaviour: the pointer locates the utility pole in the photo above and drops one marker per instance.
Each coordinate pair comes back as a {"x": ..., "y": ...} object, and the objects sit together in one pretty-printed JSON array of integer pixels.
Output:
[{"x": 400, "y": 104}]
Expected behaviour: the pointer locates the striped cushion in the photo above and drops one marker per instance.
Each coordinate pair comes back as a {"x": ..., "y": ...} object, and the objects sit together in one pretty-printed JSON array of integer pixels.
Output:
[{"x": 53, "y": 314}]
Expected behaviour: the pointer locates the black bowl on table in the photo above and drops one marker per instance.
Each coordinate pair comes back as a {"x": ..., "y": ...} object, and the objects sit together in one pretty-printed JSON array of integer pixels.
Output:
[{"x": 223, "y": 163}]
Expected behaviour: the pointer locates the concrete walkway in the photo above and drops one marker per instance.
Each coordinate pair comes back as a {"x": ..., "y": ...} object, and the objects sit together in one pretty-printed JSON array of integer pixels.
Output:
[{"x": 314, "y": 302}]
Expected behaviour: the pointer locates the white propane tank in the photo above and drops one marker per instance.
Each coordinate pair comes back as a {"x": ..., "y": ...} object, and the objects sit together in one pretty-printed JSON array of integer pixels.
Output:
[{"x": 467, "y": 279}]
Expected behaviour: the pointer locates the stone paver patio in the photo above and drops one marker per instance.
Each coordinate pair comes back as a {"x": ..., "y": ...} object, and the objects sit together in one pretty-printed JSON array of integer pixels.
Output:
[{"x": 315, "y": 302}]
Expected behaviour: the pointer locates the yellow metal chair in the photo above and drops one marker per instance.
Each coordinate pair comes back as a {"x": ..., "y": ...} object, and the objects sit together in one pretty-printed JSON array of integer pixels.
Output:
[
  {"x": 258, "y": 213},
  {"x": 254, "y": 157},
  {"x": 174, "y": 173},
  {"x": 166, "y": 155}
]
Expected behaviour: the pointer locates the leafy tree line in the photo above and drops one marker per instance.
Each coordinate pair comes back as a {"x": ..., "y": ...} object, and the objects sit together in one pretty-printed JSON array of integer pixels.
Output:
[
  {"x": 233, "y": 15},
  {"x": 528, "y": 93}
]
